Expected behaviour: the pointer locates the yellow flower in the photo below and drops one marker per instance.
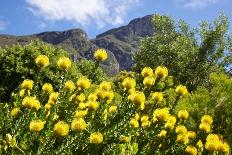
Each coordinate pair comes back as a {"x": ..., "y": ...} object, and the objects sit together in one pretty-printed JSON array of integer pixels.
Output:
[
  {"x": 31, "y": 102},
  {"x": 64, "y": 63},
  {"x": 54, "y": 96},
  {"x": 47, "y": 87},
  {"x": 42, "y": 61},
  {"x": 82, "y": 105},
  {"x": 80, "y": 98},
  {"x": 205, "y": 127},
  {"x": 182, "y": 139},
  {"x": 81, "y": 113},
  {"x": 169, "y": 126},
  {"x": 207, "y": 119},
  {"x": 69, "y": 85},
  {"x": 27, "y": 84},
  {"x": 161, "y": 114},
  {"x": 113, "y": 109},
  {"x": 108, "y": 96},
  {"x": 223, "y": 147},
  {"x": 93, "y": 105},
  {"x": 191, "y": 134},
  {"x": 148, "y": 81},
  {"x": 78, "y": 124},
  {"x": 128, "y": 83},
  {"x": 180, "y": 129},
  {"x": 61, "y": 128},
  {"x": 181, "y": 90},
  {"x": 137, "y": 116},
  {"x": 100, "y": 55},
  {"x": 172, "y": 120},
  {"x": 138, "y": 98},
  {"x": 200, "y": 145},
  {"x": 147, "y": 71},
  {"x": 126, "y": 139},
  {"x": 106, "y": 86},
  {"x": 92, "y": 97},
  {"x": 36, "y": 125},
  {"x": 162, "y": 134},
  {"x": 191, "y": 150},
  {"x": 83, "y": 83},
  {"x": 134, "y": 123},
  {"x": 14, "y": 112},
  {"x": 183, "y": 114},
  {"x": 157, "y": 96},
  {"x": 211, "y": 145},
  {"x": 96, "y": 138},
  {"x": 161, "y": 72},
  {"x": 144, "y": 120},
  {"x": 22, "y": 93},
  {"x": 48, "y": 106}
]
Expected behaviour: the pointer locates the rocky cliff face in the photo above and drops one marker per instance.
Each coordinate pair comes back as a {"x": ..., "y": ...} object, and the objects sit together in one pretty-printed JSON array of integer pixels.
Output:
[{"x": 120, "y": 42}]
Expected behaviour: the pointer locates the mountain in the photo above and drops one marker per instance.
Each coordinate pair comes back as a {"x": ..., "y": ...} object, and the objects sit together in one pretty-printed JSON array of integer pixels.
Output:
[{"x": 120, "y": 42}]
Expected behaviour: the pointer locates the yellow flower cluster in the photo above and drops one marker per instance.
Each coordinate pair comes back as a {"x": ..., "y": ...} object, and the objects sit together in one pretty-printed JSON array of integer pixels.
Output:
[
  {"x": 161, "y": 72},
  {"x": 61, "y": 128},
  {"x": 146, "y": 72},
  {"x": 128, "y": 83},
  {"x": 106, "y": 86},
  {"x": 69, "y": 85},
  {"x": 100, "y": 55},
  {"x": 47, "y": 88},
  {"x": 181, "y": 90},
  {"x": 96, "y": 138},
  {"x": 64, "y": 63},
  {"x": 36, "y": 125},
  {"x": 214, "y": 144},
  {"x": 170, "y": 124},
  {"x": 157, "y": 96},
  {"x": 126, "y": 139},
  {"x": 148, "y": 81},
  {"x": 161, "y": 114},
  {"x": 138, "y": 98},
  {"x": 42, "y": 61},
  {"x": 183, "y": 114},
  {"x": 14, "y": 112},
  {"x": 31, "y": 102},
  {"x": 191, "y": 150},
  {"x": 78, "y": 124},
  {"x": 162, "y": 134},
  {"x": 27, "y": 84},
  {"x": 206, "y": 122},
  {"x": 145, "y": 121},
  {"x": 83, "y": 83}
]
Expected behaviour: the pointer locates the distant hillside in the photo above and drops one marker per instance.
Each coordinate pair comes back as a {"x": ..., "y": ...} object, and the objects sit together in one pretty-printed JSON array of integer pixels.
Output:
[{"x": 120, "y": 42}]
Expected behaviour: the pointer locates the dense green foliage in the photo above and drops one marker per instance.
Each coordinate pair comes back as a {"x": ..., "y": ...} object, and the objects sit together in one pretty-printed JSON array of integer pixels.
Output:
[{"x": 190, "y": 54}]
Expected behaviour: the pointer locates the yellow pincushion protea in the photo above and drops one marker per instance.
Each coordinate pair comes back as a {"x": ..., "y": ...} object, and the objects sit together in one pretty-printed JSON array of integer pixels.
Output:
[
  {"x": 148, "y": 81},
  {"x": 31, "y": 102},
  {"x": 92, "y": 97},
  {"x": 47, "y": 87},
  {"x": 128, "y": 83},
  {"x": 69, "y": 85},
  {"x": 162, "y": 134},
  {"x": 147, "y": 71},
  {"x": 191, "y": 134},
  {"x": 157, "y": 96},
  {"x": 180, "y": 129},
  {"x": 207, "y": 119},
  {"x": 106, "y": 86},
  {"x": 100, "y": 55},
  {"x": 61, "y": 128},
  {"x": 80, "y": 98},
  {"x": 108, "y": 96},
  {"x": 64, "y": 63},
  {"x": 182, "y": 138},
  {"x": 212, "y": 142},
  {"x": 161, "y": 72},
  {"x": 134, "y": 123},
  {"x": 161, "y": 114},
  {"x": 138, "y": 98},
  {"x": 14, "y": 112},
  {"x": 170, "y": 124},
  {"x": 181, "y": 90},
  {"x": 81, "y": 113},
  {"x": 36, "y": 125},
  {"x": 205, "y": 127},
  {"x": 224, "y": 147},
  {"x": 78, "y": 124},
  {"x": 54, "y": 96},
  {"x": 113, "y": 109},
  {"x": 183, "y": 114},
  {"x": 83, "y": 83},
  {"x": 145, "y": 121},
  {"x": 27, "y": 84},
  {"x": 96, "y": 138},
  {"x": 93, "y": 105},
  {"x": 191, "y": 150},
  {"x": 42, "y": 61}
]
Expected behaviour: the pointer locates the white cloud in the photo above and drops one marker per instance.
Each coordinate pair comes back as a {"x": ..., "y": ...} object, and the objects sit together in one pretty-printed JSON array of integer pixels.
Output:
[
  {"x": 84, "y": 12},
  {"x": 2, "y": 25},
  {"x": 196, "y": 4}
]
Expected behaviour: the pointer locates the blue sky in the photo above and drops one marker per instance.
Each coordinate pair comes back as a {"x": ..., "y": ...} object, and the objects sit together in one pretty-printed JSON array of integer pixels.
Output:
[{"x": 22, "y": 17}]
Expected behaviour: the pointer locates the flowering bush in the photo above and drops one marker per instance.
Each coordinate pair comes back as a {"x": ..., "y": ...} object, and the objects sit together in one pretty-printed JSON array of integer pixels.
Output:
[{"x": 133, "y": 114}]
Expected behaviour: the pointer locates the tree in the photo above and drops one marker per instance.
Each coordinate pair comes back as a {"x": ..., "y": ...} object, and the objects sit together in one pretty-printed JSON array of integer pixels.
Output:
[{"x": 190, "y": 54}]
